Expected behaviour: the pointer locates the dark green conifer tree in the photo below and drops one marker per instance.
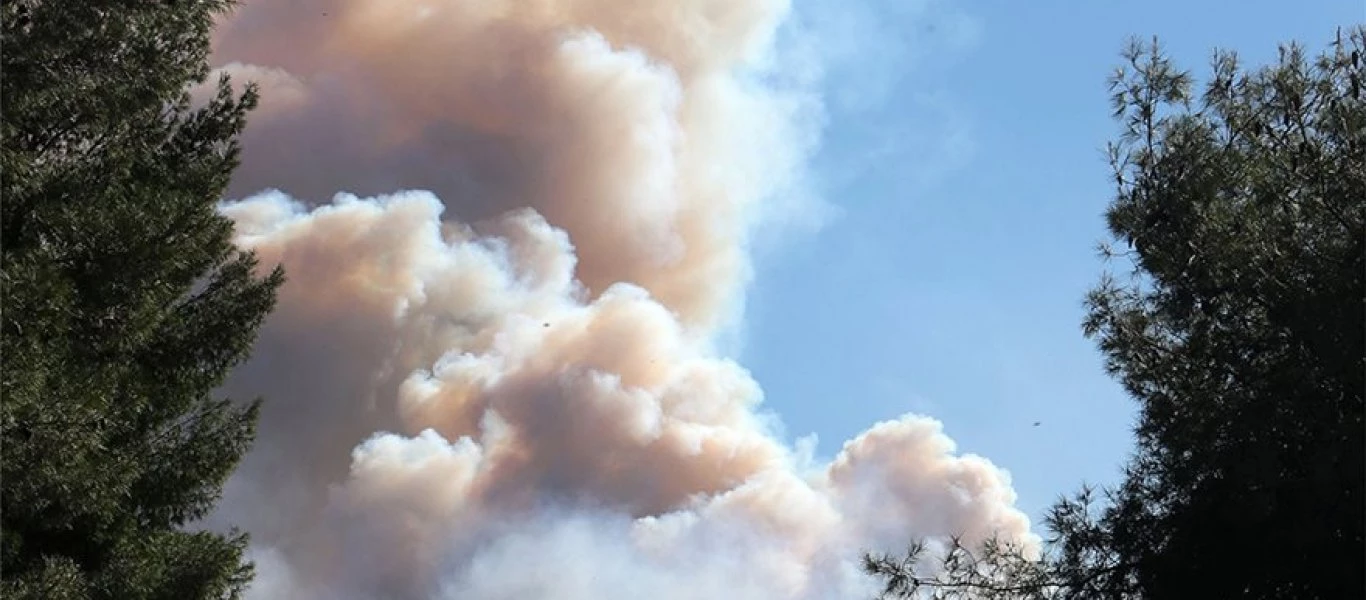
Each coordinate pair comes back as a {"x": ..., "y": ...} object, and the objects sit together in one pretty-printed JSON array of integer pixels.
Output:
[
  {"x": 125, "y": 302},
  {"x": 1238, "y": 330}
]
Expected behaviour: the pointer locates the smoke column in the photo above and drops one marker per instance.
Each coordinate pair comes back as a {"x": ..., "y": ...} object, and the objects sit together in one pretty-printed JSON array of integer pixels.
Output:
[{"x": 514, "y": 231}]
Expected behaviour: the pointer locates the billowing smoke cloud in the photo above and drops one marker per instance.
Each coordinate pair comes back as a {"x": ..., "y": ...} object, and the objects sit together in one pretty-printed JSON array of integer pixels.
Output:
[{"x": 507, "y": 385}]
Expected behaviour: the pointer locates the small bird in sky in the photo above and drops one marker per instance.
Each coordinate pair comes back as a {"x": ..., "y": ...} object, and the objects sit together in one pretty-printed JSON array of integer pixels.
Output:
[{"x": 1037, "y": 423}]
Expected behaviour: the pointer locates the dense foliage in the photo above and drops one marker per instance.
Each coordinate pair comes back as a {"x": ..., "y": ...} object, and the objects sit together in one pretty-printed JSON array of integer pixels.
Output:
[
  {"x": 1239, "y": 332},
  {"x": 124, "y": 302}
]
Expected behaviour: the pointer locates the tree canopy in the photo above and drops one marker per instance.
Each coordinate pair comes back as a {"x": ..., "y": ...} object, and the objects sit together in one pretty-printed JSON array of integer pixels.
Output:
[
  {"x": 1237, "y": 327},
  {"x": 125, "y": 302}
]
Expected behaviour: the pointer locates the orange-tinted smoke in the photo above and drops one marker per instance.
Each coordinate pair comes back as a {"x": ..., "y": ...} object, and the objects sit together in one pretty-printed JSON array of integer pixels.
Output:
[{"x": 516, "y": 365}]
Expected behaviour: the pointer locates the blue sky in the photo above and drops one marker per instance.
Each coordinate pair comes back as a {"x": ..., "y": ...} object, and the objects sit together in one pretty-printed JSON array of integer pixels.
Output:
[{"x": 964, "y": 152}]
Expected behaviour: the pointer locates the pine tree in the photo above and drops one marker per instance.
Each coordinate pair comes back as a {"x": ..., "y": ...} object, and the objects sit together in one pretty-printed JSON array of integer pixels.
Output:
[
  {"x": 1241, "y": 333},
  {"x": 124, "y": 303}
]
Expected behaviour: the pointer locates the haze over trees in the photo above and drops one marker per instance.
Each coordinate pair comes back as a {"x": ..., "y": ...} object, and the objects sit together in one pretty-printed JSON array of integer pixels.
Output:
[
  {"x": 124, "y": 303},
  {"x": 1237, "y": 326}
]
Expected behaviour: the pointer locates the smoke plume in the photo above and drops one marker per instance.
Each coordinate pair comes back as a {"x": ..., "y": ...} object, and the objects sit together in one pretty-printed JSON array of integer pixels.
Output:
[{"x": 514, "y": 230}]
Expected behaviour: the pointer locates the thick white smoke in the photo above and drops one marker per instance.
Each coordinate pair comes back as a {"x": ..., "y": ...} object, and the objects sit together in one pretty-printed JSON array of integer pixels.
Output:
[{"x": 507, "y": 386}]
